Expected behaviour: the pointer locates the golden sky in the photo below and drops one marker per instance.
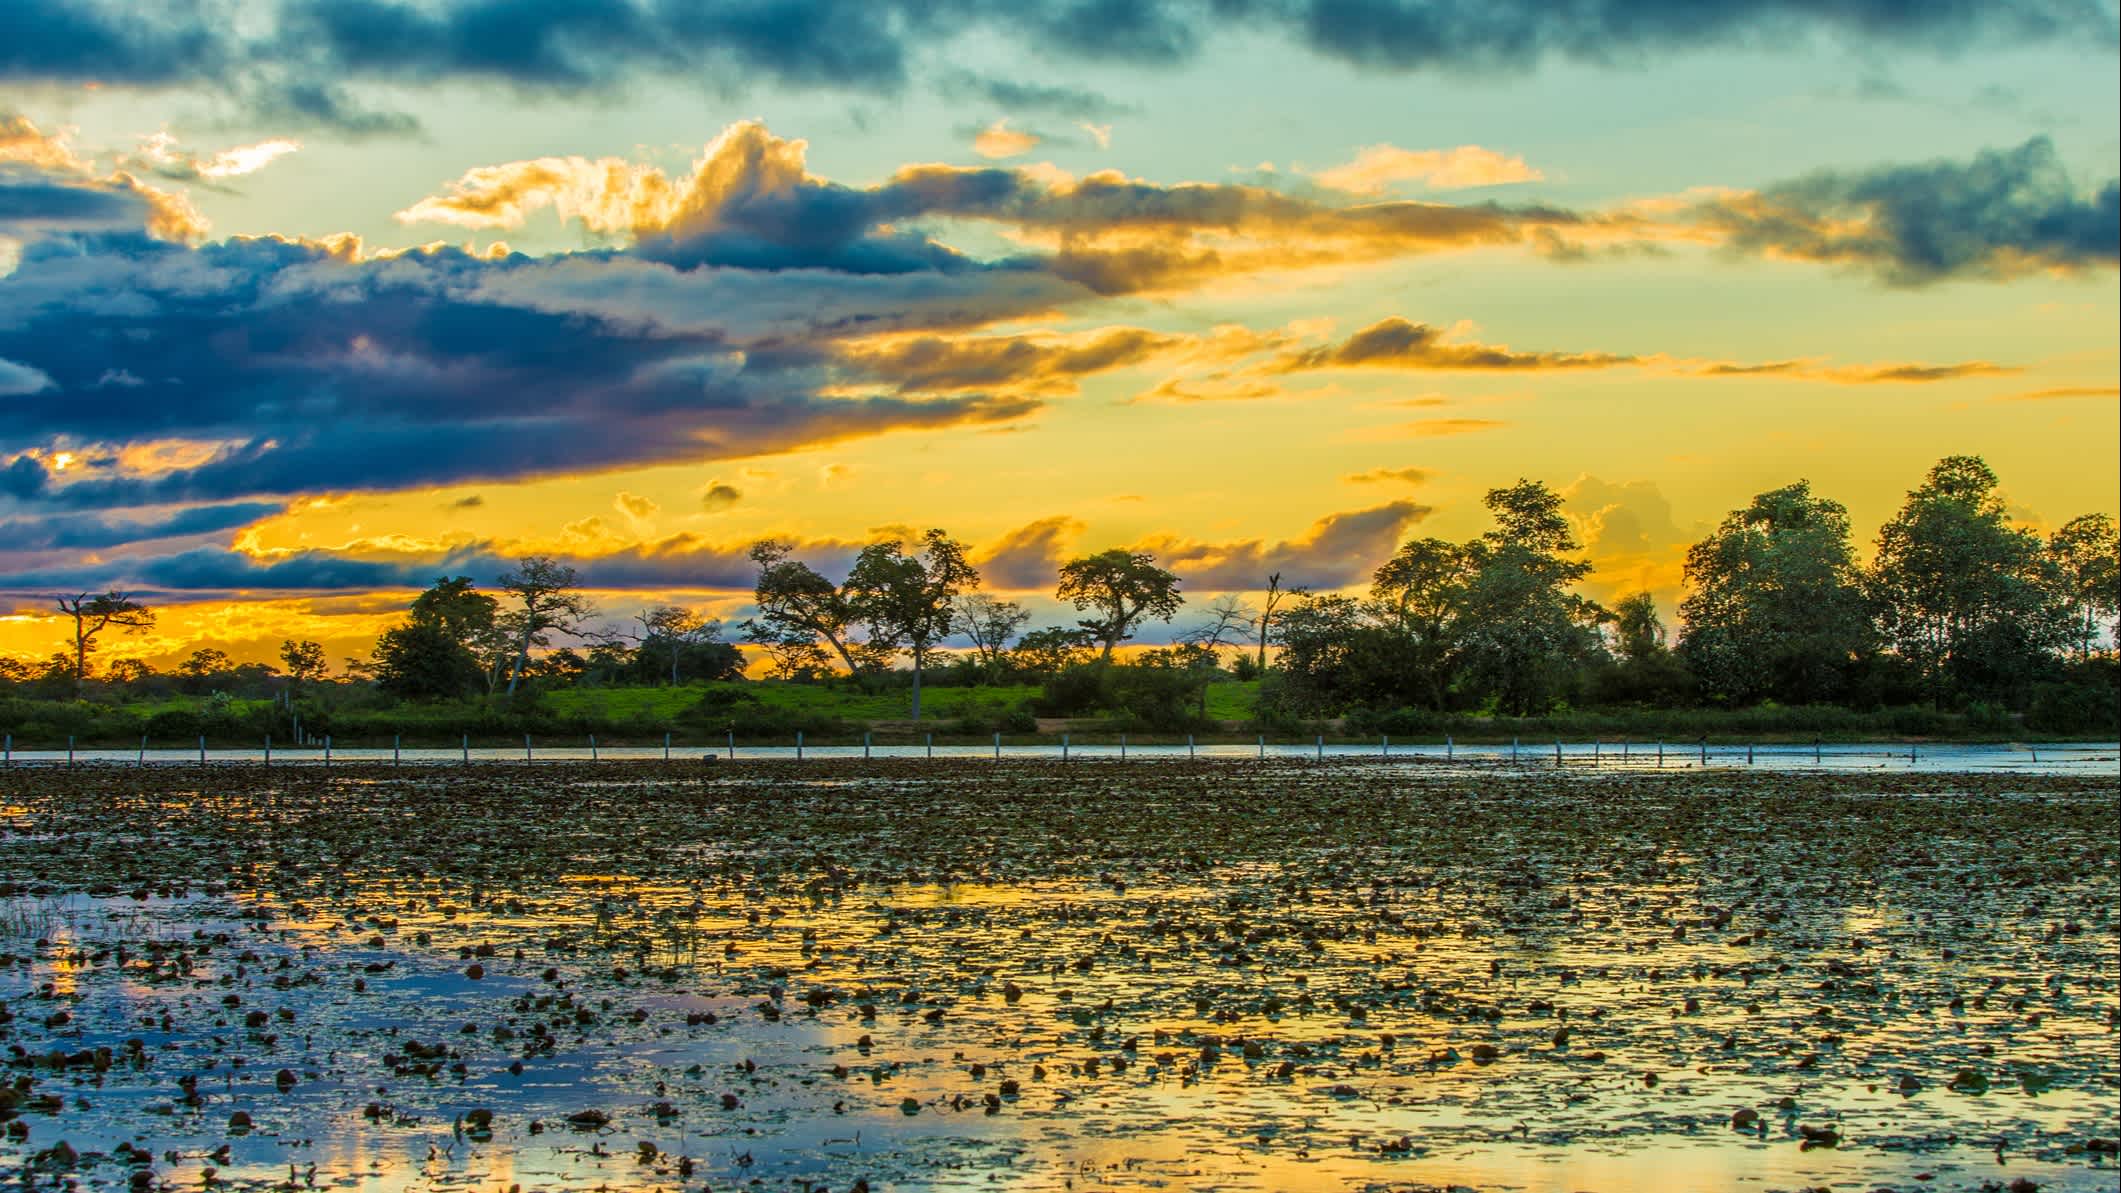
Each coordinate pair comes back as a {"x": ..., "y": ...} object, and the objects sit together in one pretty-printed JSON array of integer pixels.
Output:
[{"x": 298, "y": 315}]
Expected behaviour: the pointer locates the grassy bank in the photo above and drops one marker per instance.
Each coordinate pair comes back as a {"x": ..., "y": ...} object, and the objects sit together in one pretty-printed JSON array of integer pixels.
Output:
[{"x": 775, "y": 712}]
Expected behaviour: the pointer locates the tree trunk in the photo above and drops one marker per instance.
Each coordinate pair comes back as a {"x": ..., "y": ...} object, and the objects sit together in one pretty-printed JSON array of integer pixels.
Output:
[
  {"x": 522, "y": 657},
  {"x": 917, "y": 652}
]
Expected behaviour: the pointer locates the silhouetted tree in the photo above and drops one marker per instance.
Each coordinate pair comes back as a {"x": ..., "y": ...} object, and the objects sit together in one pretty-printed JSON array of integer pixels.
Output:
[
  {"x": 93, "y": 614},
  {"x": 2087, "y": 559},
  {"x": 1966, "y": 597},
  {"x": 1775, "y": 606},
  {"x": 305, "y": 661},
  {"x": 990, "y": 624},
  {"x": 796, "y": 605},
  {"x": 550, "y": 597},
  {"x": 1122, "y": 589},
  {"x": 909, "y": 600}
]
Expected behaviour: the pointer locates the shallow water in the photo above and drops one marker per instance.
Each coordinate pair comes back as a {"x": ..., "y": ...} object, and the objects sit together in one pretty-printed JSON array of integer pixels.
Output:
[{"x": 1224, "y": 975}]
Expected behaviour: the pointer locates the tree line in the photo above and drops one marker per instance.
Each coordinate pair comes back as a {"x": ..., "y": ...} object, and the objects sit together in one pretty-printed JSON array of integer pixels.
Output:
[{"x": 1958, "y": 607}]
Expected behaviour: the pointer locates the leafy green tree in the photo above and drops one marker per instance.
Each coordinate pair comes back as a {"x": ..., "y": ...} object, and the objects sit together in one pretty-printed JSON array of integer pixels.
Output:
[
  {"x": 550, "y": 599},
  {"x": 909, "y": 600},
  {"x": 1422, "y": 588},
  {"x": 1775, "y": 607},
  {"x": 449, "y": 646},
  {"x": 2086, "y": 554},
  {"x": 1638, "y": 633},
  {"x": 95, "y": 613},
  {"x": 1521, "y": 630},
  {"x": 1966, "y": 597},
  {"x": 1120, "y": 589}
]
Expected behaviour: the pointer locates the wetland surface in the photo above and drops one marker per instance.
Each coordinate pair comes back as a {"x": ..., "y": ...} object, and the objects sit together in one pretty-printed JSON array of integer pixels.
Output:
[{"x": 958, "y": 974}]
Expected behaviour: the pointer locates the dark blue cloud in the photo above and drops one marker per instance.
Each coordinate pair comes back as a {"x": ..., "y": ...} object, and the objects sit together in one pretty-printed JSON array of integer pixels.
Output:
[
  {"x": 2006, "y": 211},
  {"x": 313, "y": 373},
  {"x": 298, "y": 56},
  {"x": 33, "y": 202},
  {"x": 91, "y": 531}
]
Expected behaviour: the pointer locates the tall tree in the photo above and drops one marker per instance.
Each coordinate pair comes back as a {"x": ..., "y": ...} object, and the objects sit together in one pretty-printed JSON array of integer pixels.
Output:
[
  {"x": 93, "y": 614},
  {"x": 909, "y": 599},
  {"x": 1423, "y": 586},
  {"x": 2087, "y": 560},
  {"x": 550, "y": 598},
  {"x": 797, "y": 604},
  {"x": 990, "y": 624},
  {"x": 1120, "y": 589},
  {"x": 1775, "y": 607},
  {"x": 449, "y": 646},
  {"x": 203, "y": 667},
  {"x": 305, "y": 661},
  {"x": 1522, "y": 629},
  {"x": 1965, "y": 596}
]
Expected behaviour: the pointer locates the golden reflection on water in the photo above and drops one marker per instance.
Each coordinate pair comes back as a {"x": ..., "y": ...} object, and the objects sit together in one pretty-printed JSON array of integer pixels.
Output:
[{"x": 1190, "y": 986}]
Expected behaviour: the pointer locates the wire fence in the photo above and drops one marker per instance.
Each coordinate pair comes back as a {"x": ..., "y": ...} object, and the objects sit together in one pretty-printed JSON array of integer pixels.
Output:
[{"x": 2056, "y": 757}]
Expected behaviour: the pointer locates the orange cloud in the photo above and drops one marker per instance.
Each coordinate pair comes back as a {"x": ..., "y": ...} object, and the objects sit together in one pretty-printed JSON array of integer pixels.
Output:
[
  {"x": 998, "y": 140},
  {"x": 1377, "y": 167}
]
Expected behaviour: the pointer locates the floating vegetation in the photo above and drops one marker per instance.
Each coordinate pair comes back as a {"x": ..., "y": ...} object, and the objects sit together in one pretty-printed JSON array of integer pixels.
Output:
[{"x": 921, "y": 974}]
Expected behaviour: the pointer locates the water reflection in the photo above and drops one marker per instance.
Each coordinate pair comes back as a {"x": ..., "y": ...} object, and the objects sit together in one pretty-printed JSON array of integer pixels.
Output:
[{"x": 1218, "y": 977}]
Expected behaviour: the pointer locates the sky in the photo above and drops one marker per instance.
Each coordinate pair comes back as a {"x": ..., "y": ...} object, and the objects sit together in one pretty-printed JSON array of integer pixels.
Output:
[{"x": 305, "y": 303}]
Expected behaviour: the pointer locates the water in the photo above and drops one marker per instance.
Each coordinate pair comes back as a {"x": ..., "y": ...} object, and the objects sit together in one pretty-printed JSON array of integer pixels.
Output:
[
  {"x": 1233, "y": 975},
  {"x": 2048, "y": 758}
]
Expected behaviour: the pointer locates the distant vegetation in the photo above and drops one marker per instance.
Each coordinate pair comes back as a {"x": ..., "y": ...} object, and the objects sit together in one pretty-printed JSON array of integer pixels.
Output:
[{"x": 1964, "y": 625}]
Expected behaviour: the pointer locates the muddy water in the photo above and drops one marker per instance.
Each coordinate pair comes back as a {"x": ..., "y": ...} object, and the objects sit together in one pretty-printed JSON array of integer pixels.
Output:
[{"x": 964, "y": 976}]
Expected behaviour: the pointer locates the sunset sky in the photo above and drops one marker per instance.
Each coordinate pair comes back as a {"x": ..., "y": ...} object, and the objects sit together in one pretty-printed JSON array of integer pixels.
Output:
[{"x": 304, "y": 303}]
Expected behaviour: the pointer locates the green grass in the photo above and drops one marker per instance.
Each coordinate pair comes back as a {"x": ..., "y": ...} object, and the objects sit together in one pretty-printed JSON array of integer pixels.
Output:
[
  {"x": 1228, "y": 700},
  {"x": 845, "y": 702}
]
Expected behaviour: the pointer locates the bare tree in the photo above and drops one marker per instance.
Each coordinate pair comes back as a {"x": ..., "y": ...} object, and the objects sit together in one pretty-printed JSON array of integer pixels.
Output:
[
  {"x": 94, "y": 614},
  {"x": 990, "y": 624},
  {"x": 1276, "y": 594},
  {"x": 1229, "y": 622},
  {"x": 551, "y": 597}
]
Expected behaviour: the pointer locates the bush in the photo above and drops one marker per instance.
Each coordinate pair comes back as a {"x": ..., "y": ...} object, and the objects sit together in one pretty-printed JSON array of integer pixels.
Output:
[{"x": 1077, "y": 690}]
